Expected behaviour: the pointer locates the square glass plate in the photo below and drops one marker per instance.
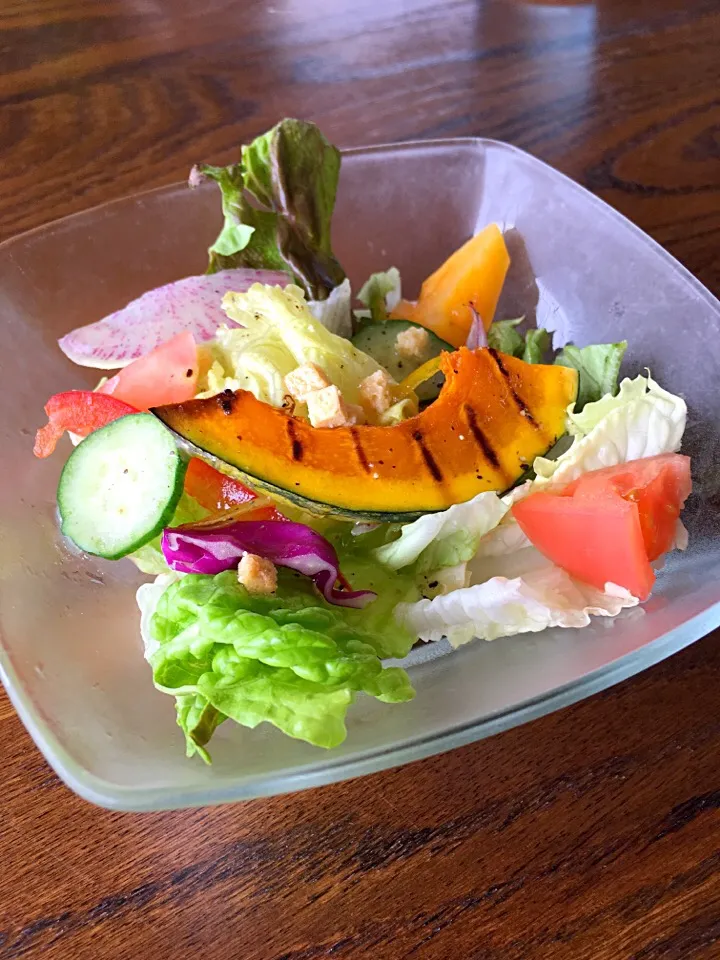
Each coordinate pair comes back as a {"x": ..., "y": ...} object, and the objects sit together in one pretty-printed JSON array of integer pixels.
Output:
[{"x": 70, "y": 650}]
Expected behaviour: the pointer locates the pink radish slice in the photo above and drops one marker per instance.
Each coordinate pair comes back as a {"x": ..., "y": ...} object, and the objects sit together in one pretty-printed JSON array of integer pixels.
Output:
[{"x": 192, "y": 304}]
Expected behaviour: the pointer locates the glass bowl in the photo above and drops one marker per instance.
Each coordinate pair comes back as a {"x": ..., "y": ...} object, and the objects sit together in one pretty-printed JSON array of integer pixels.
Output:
[{"x": 70, "y": 649}]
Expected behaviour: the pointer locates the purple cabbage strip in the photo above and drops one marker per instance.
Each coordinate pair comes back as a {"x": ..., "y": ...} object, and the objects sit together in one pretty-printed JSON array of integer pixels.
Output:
[
  {"x": 477, "y": 337},
  {"x": 198, "y": 549}
]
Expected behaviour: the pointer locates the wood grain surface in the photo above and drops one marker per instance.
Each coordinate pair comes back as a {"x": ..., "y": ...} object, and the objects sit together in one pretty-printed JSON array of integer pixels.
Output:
[{"x": 592, "y": 834}]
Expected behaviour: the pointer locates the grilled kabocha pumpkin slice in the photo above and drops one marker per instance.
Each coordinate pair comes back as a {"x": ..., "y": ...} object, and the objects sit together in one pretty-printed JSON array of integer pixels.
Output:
[{"x": 494, "y": 415}]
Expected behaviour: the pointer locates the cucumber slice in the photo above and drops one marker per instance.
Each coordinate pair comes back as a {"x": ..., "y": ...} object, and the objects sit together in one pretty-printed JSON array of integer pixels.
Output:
[
  {"x": 379, "y": 340},
  {"x": 120, "y": 486}
]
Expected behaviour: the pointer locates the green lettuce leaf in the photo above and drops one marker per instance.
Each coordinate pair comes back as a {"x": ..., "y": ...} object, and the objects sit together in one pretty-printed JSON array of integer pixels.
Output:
[
  {"x": 198, "y": 720},
  {"x": 149, "y": 559},
  {"x": 537, "y": 342},
  {"x": 503, "y": 337},
  {"x": 392, "y": 587},
  {"x": 598, "y": 367},
  {"x": 277, "y": 333},
  {"x": 445, "y": 539},
  {"x": 380, "y": 293},
  {"x": 289, "y": 659},
  {"x": 277, "y": 207},
  {"x": 642, "y": 420}
]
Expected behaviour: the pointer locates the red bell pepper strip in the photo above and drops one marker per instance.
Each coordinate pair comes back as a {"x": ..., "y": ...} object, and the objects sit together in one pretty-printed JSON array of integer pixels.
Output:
[
  {"x": 79, "y": 411},
  {"x": 219, "y": 493}
]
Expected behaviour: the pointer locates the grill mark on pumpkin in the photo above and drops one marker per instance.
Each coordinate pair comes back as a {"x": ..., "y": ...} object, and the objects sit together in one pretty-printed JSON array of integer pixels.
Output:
[
  {"x": 479, "y": 437},
  {"x": 296, "y": 445},
  {"x": 357, "y": 443},
  {"x": 225, "y": 400},
  {"x": 519, "y": 402},
  {"x": 430, "y": 461}
]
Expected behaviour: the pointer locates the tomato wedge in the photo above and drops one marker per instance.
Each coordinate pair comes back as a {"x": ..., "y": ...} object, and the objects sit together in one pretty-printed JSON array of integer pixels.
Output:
[
  {"x": 80, "y": 412},
  {"x": 219, "y": 493},
  {"x": 608, "y": 525},
  {"x": 168, "y": 374},
  {"x": 658, "y": 485}
]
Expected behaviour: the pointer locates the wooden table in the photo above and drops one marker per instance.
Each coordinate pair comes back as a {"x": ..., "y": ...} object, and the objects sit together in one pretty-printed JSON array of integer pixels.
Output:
[{"x": 590, "y": 834}]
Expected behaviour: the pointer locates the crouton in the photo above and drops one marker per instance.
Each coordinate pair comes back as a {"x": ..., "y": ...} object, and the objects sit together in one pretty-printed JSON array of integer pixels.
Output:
[
  {"x": 356, "y": 411},
  {"x": 326, "y": 408},
  {"x": 304, "y": 380},
  {"x": 257, "y": 574},
  {"x": 412, "y": 343},
  {"x": 375, "y": 392}
]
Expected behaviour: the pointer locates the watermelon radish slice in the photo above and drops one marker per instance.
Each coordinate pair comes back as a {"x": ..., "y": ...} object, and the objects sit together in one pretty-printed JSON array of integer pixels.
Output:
[{"x": 192, "y": 304}]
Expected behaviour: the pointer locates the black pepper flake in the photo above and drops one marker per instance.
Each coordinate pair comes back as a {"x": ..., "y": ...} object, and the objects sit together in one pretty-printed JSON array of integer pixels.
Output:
[
  {"x": 434, "y": 584},
  {"x": 189, "y": 372}
]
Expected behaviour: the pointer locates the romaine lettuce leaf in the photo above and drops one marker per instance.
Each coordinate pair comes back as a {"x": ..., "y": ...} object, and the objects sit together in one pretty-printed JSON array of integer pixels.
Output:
[
  {"x": 444, "y": 539},
  {"x": 291, "y": 174},
  {"x": 506, "y": 538},
  {"x": 381, "y": 292},
  {"x": 289, "y": 659},
  {"x": 277, "y": 333},
  {"x": 500, "y": 607},
  {"x": 643, "y": 420},
  {"x": 335, "y": 313},
  {"x": 598, "y": 367}
]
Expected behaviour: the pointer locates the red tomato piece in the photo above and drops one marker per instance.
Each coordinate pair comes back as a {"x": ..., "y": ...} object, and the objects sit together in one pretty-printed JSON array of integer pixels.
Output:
[
  {"x": 219, "y": 493},
  {"x": 266, "y": 512},
  {"x": 658, "y": 485},
  {"x": 80, "y": 412},
  {"x": 168, "y": 374},
  {"x": 608, "y": 525},
  {"x": 596, "y": 541},
  {"x": 212, "y": 489}
]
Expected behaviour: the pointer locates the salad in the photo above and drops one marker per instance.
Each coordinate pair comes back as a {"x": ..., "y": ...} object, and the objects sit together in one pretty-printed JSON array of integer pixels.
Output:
[{"x": 314, "y": 480}]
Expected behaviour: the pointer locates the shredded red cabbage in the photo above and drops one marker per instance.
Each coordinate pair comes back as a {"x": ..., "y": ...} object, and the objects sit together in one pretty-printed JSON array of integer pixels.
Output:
[
  {"x": 203, "y": 549},
  {"x": 477, "y": 337}
]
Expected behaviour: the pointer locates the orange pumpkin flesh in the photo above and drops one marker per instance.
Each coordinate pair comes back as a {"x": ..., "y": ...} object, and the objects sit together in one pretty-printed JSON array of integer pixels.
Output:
[
  {"x": 473, "y": 275},
  {"x": 494, "y": 415}
]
